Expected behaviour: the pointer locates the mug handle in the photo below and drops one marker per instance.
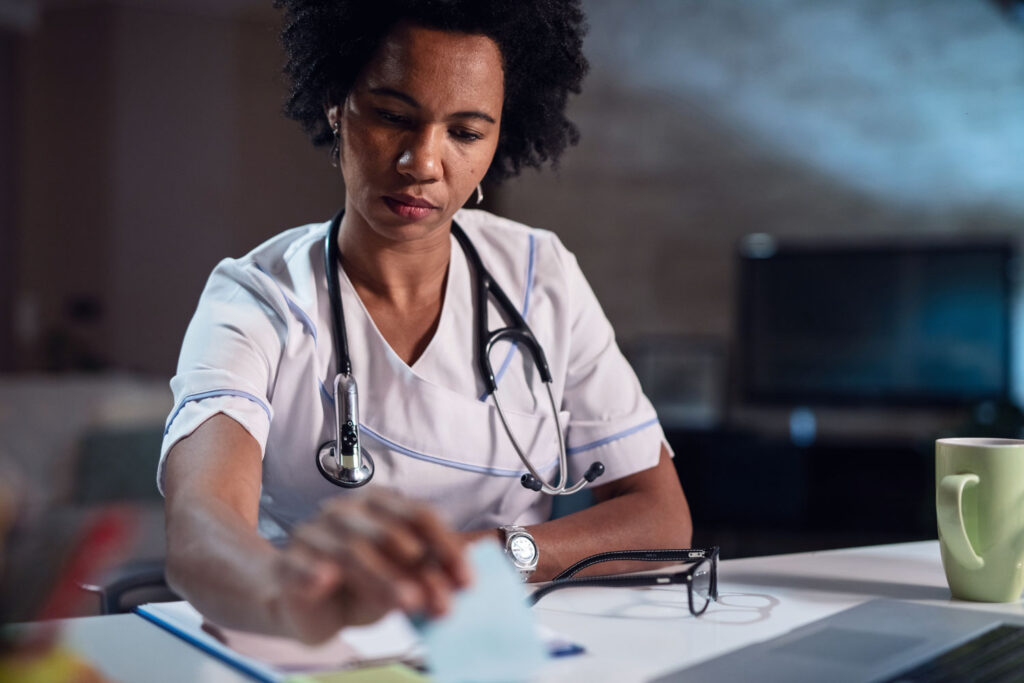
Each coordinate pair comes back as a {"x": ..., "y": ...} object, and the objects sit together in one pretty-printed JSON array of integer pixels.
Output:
[{"x": 950, "y": 499}]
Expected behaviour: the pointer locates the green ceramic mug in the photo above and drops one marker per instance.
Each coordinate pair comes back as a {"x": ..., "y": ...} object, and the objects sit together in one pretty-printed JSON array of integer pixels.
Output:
[{"x": 979, "y": 500}]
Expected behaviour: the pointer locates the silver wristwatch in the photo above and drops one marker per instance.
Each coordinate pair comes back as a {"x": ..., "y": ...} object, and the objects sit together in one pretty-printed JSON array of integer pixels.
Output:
[{"x": 521, "y": 549}]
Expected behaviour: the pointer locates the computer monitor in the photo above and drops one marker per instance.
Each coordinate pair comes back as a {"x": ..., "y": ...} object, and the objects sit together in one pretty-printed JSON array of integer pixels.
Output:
[{"x": 874, "y": 324}]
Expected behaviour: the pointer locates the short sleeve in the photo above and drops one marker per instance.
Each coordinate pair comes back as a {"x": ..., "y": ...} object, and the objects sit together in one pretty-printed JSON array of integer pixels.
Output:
[
  {"x": 229, "y": 356},
  {"x": 611, "y": 420}
]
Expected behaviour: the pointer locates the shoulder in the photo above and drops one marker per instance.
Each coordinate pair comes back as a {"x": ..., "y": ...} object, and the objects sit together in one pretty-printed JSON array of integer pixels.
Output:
[
  {"x": 285, "y": 258},
  {"x": 285, "y": 255},
  {"x": 499, "y": 232},
  {"x": 280, "y": 274},
  {"x": 505, "y": 242}
]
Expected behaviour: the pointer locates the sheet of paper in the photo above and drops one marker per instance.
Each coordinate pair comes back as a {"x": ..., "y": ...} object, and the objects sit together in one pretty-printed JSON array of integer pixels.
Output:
[
  {"x": 390, "y": 638},
  {"x": 490, "y": 634}
]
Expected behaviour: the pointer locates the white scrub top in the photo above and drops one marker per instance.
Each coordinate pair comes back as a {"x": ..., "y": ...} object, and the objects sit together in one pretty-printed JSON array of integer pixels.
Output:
[{"x": 259, "y": 350}]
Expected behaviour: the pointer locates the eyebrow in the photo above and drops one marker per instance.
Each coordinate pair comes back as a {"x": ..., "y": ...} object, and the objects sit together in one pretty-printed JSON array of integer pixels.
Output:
[{"x": 399, "y": 95}]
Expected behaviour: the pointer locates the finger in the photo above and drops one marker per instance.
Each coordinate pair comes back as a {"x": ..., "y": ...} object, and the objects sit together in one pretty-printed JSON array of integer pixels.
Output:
[
  {"x": 420, "y": 557},
  {"x": 442, "y": 543},
  {"x": 305, "y": 574},
  {"x": 378, "y": 583},
  {"x": 446, "y": 546},
  {"x": 399, "y": 537},
  {"x": 307, "y": 608},
  {"x": 349, "y": 537},
  {"x": 372, "y": 584},
  {"x": 407, "y": 561},
  {"x": 438, "y": 591},
  {"x": 319, "y": 540}
]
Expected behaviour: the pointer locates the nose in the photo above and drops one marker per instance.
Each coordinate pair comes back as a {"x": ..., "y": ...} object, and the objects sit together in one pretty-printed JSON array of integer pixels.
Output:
[{"x": 420, "y": 160}]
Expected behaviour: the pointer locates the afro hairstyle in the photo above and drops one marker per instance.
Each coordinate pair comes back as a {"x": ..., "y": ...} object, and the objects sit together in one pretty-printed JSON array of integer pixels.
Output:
[{"x": 329, "y": 42}]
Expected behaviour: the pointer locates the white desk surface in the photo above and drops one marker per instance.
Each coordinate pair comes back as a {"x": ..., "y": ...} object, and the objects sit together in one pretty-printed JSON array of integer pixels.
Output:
[{"x": 629, "y": 634}]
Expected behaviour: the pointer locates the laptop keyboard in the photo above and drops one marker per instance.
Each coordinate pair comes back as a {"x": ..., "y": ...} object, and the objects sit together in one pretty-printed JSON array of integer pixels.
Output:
[{"x": 996, "y": 656}]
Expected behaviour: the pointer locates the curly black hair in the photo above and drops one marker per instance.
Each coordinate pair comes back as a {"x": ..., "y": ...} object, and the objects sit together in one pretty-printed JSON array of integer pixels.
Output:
[{"x": 329, "y": 42}]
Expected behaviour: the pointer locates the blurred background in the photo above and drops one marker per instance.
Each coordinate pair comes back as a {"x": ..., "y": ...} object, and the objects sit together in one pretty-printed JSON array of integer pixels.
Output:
[{"x": 801, "y": 216}]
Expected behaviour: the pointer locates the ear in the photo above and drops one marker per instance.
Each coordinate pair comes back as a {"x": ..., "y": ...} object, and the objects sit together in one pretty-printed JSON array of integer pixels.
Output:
[{"x": 333, "y": 114}]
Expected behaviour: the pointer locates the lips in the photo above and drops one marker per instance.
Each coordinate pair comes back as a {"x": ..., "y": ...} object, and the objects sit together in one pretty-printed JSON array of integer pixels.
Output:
[{"x": 409, "y": 207}]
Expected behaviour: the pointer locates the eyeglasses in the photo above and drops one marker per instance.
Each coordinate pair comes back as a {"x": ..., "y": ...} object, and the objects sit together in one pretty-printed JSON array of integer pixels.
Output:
[{"x": 701, "y": 578}]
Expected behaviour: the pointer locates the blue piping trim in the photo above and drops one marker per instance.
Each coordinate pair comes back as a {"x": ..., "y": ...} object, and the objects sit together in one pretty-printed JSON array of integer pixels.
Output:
[
  {"x": 211, "y": 394},
  {"x": 479, "y": 469},
  {"x": 526, "y": 309},
  {"x": 529, "y": 279},
  {"x": 324, "y": 393},
  {"x": 259, "y": 674},
  {"x": 614, "y": 437},
  {"x": 292, "y": 306}
]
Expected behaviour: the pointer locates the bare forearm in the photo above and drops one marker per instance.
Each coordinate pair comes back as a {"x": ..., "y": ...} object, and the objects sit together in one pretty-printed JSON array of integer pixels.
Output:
[
  {"x": 217, "y": 561},
  {"x": 622, "y": 523},
  {"x": 647, "y": 511},
  {"x": 353, "y": 561}
]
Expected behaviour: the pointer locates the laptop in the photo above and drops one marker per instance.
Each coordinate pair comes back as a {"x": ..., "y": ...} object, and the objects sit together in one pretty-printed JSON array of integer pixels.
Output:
[{"x": 881, "y": 640}]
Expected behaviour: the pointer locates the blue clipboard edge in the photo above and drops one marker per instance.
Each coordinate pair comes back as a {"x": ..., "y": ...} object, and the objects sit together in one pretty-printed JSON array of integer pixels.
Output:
[{"x": 234, "y": 662}]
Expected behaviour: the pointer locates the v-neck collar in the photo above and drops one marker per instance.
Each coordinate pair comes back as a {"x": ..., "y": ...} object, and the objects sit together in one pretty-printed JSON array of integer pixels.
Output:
[{"x": 457, "y": 270}]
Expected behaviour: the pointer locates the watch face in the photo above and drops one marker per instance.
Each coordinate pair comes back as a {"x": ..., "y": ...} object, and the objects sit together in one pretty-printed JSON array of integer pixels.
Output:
[{"x": 523, "y": 550}]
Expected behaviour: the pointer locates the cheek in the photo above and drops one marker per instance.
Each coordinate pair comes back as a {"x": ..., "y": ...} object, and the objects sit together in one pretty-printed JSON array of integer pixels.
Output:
[
  {"x": 478, "y": 162},
  {"x": 363, "y": 153}
]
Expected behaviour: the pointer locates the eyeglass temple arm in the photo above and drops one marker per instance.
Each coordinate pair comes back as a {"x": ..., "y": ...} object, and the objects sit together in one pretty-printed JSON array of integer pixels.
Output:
[
  {"x": 623, "y": 581},
  {"x": 659, "y": 555}
]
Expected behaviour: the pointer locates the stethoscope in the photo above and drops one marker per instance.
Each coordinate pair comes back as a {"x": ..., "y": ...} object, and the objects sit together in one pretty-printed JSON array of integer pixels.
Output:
[{"x": 351, "y": 465}]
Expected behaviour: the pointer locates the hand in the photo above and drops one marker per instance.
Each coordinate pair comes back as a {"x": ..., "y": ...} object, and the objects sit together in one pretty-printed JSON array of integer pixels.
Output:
[{"x": 363, "y": 556}]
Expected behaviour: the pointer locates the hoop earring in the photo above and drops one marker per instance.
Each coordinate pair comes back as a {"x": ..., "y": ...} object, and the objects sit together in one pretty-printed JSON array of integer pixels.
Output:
[
  {"x": 336, "y": 149},
  {"x": 479, "y": 193}
]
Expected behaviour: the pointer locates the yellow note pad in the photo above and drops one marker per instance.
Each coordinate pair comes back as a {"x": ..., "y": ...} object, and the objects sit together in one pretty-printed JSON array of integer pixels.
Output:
[{"x": 390, "y": 673}]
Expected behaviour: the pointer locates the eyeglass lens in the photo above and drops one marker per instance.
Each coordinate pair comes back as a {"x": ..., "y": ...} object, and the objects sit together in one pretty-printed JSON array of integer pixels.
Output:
[{"x": 701, "y": 587}]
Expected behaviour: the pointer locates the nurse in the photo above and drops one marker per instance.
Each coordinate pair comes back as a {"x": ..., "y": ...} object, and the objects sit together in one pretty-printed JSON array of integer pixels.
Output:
[{"x": 418, "y": 103}]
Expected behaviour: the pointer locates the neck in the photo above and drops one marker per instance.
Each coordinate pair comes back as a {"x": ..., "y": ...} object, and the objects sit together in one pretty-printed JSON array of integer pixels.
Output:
[{"x": 403, "y": 273}]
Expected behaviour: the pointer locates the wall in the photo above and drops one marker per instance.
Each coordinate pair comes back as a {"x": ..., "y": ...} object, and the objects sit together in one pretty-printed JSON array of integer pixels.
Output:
[
  {"x": 703, "y": 122},
  {"x": 175, "y": 155},
  {"x": 9, "y": 129},
  {"x": 205, "y": 167}
]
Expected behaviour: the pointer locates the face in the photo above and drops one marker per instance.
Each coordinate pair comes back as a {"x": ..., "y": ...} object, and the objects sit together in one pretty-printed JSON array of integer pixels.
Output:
[{"x": 419, "y": 129}]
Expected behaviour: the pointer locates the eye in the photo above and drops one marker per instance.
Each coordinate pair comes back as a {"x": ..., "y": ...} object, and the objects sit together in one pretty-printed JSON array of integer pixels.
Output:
[
  {"x": 392, "y": 118},
  {"x": 464, "y": 135}
]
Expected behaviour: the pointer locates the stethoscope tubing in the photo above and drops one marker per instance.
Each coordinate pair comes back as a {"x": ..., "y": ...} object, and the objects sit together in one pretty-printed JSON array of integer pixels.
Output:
[
  {"x": 517, "y": 331},
  {"x": 332, "y": 256}
]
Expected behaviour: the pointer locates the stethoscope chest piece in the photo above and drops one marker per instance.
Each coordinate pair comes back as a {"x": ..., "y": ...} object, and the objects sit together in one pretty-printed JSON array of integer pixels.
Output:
[
  {"x": 334, "y": 470},
  {"x": 343, "y": 461}
]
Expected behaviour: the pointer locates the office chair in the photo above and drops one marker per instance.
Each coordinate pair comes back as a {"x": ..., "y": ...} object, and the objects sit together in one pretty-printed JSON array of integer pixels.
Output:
[
  {"x": 114, "y": 466},
  {"x": 130, "y": 585}
]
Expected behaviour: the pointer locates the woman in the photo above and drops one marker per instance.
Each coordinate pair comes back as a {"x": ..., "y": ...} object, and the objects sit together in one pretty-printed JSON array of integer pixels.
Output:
[{"x": 420, "y": 102}]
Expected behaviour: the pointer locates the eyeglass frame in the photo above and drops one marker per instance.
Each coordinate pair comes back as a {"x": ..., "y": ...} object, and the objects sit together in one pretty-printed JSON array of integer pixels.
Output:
[{"x": 697, "y": 556}]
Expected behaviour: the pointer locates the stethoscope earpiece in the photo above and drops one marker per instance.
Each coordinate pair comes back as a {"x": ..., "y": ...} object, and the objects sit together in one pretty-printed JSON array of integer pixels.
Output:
[
  {"x": 531, "y": 482},
  {"x": 595, "y": 470}
]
